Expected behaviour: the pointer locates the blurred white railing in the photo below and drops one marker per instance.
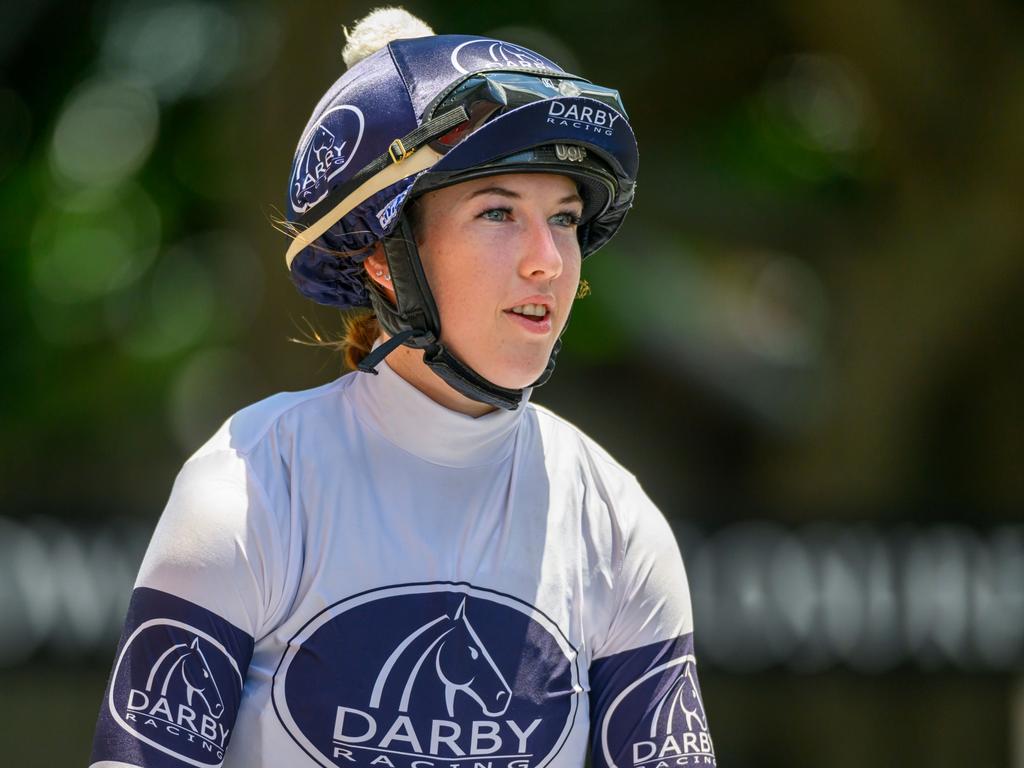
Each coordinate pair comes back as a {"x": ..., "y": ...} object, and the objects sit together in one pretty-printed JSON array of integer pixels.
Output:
[
  {"x": 764, "y": 595},
  {"x": 64, "y": 590},
  {"x": 856, "y": 595}
]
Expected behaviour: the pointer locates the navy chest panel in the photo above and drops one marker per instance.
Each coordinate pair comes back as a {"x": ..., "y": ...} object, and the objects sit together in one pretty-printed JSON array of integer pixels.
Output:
[{"x": 423, "y": 675}]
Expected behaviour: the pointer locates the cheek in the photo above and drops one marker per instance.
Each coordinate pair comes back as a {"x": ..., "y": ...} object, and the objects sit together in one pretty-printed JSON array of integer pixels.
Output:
[
  {"x": 569, "y": 280},
  {"x": 573, "y": 262},
  {"x": 461, "y": 280}
]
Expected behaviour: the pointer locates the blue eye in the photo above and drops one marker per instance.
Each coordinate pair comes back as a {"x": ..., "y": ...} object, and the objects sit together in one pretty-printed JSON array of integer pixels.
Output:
[
  {"x": 496, "y": 214},
  {"x": 567, "y": 218}
]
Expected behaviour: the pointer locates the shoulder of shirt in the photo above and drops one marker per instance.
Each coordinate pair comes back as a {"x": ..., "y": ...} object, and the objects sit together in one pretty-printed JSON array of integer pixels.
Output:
[
  {"x": 567, "y": 431},
  {"x": 247, "y": 427}
]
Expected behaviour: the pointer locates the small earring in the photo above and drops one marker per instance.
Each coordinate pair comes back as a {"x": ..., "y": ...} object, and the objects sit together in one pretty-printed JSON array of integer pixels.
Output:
[
  {"x": 379, "y": 272},
  {"x": 583, "y": 290},
  {"x": 388, "y": 277}
]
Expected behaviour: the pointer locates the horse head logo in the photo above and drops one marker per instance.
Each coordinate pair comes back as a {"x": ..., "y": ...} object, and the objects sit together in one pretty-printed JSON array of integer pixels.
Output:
[
  {"x": 321, "y": 156},
  {"x": 473, "y": 53},
  {"x": 325, "y": 153},
  {"x": 515, "y": 55},
  {"x": 450, "y": 648},
  {"x": 683, "y": 696},
  {"x": 183, "y": 669}
]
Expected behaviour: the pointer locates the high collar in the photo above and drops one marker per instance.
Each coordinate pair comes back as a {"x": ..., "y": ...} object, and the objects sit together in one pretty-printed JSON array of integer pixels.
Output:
[{"x": 406, "y": 417}]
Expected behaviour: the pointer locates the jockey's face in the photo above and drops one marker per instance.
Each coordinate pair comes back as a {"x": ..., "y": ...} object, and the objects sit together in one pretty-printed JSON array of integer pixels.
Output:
[{"x": 503, "y": 262}]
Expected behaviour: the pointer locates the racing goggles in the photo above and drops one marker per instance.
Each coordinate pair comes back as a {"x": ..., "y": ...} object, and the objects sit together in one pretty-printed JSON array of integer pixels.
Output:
[{"x": 488, "y": 94}]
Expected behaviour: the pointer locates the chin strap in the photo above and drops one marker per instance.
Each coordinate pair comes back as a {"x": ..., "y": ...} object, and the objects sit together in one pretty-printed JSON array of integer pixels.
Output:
[
  {"x": 416, "y": 323},
  {"x": 369, "y": 363},
  {"x": 465, "y": 380}
]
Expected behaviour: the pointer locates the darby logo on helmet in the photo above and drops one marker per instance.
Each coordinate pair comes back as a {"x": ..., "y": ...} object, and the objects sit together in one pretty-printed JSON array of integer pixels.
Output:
[
  {"x": 477, "y": 54},
  {"x": 583, "y": 117},
  {"x": 177, "y": 692},
  {"x": 324, "y": 152},
  {"x": 674, "y": 730},
  {"x": 427, "y": 676}
]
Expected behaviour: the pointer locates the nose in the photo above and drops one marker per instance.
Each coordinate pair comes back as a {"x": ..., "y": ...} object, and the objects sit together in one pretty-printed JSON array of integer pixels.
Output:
[{"x": 541, "y": 258}]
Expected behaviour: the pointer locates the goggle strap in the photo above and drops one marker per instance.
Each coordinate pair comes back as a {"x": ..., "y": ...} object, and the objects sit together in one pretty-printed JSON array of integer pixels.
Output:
[
  {"x": 398, "y": 150},
  {"x": 424, "y": 159},
  {"x": 379, "y": 174}
]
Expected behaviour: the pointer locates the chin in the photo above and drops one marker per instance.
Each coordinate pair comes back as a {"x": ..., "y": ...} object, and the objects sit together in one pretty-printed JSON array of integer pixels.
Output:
[{"x": 517, "y": 374}]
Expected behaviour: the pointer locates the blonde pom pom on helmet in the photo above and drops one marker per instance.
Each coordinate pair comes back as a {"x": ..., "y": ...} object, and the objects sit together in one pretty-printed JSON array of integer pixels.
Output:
[{"x": 378, "y": 28}]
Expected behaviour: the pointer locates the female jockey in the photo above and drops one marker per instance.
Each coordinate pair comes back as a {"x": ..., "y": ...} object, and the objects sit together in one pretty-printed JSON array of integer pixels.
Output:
[{"x": 414, "y": 565}]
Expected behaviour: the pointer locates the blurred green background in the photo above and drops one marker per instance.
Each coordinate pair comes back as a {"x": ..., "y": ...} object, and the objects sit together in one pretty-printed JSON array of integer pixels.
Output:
[{"x": 807, "y": 341}]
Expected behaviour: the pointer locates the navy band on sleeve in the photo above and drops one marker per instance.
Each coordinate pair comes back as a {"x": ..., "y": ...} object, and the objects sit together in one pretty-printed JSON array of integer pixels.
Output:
[
  {"x": 176, "y": 685},
  {"x": 646, "y": 708}
]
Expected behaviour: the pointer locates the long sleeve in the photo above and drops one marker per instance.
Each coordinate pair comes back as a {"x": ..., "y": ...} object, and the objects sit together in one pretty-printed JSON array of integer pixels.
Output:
[
  {"x": 188, "y": 638},
  {"x": 645, "y": 701}
]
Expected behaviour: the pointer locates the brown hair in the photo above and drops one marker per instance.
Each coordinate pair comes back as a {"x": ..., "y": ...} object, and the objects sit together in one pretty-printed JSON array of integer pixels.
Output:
[{"x": 361, "y": 330}]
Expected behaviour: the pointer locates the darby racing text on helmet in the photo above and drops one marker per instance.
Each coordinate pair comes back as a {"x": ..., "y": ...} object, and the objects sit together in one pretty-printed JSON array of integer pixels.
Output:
[{"x": 425, "y": 113}]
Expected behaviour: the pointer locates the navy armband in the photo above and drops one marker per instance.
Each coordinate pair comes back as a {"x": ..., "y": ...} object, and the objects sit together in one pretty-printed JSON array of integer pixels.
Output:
[
  {"x": 176, "y": 685},
  {"x": 646, "y": 708}
]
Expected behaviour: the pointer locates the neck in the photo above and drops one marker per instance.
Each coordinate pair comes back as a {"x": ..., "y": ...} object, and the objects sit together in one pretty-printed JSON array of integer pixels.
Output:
[{"x": 408, "y": 363}]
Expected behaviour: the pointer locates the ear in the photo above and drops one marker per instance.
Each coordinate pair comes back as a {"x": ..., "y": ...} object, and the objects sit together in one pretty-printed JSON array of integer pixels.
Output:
[{"x": 376, "y": 266}]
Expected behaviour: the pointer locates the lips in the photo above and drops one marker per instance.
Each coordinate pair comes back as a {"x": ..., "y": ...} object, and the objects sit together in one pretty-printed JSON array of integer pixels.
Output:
[{"x": 530, "y": 323}]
